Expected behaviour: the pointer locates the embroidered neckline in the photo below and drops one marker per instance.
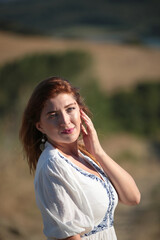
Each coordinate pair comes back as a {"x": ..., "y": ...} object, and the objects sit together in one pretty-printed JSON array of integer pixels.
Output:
[
  {"x": 83, "y": 171},
  {"x": 107, "y": 221}
]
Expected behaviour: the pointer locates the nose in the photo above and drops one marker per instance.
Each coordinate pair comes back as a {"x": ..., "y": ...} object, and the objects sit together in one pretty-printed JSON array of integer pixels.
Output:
[{"x": 64, "y": 119}]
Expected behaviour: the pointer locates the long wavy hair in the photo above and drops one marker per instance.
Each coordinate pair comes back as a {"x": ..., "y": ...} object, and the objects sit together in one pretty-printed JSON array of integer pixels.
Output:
[{"x": 30, "y": 136}]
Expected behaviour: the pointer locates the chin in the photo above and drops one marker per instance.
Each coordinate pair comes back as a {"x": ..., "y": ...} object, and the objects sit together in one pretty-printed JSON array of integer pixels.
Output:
[{"x": 71, "y": 139}]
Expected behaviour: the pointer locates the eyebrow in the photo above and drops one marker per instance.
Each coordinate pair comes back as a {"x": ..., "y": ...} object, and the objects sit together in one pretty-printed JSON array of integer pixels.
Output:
[
  {"x": 74, "y": 103},
  {"x": 70, "y": 105}
]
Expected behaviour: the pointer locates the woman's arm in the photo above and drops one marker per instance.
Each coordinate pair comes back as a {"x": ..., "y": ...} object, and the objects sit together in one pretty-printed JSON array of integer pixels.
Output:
[
  {"x": 76, "y": 237},
  {"x": 122, "y": 181}
]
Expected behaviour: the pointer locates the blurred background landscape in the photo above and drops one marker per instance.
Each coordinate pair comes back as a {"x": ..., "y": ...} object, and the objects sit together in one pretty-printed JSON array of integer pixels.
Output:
[{"x": 111, "y": 51}]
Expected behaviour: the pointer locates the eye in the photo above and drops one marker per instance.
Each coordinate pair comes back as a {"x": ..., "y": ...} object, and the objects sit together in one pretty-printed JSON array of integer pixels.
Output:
[
  {"x": 70, "y": 109},
  {"x": 53, "y": 115}
]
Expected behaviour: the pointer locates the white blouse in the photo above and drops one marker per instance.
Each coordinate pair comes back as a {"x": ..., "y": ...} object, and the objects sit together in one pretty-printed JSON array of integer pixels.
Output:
[{"x": 73, "y": 201}]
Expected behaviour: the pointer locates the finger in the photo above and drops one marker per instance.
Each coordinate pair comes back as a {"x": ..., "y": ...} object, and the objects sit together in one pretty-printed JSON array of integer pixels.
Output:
[
  {"x": 88, "y": 123},
  {"x": 83, "y": 114},
  {"x": 84, "y": 131},
  {"x": 86, "y": 118}
]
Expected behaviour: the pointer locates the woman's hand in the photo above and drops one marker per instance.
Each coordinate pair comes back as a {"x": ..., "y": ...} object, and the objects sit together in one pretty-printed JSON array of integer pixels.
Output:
[
  {"x": 122, "y": 181},
  {"x": 90, "y": 137}
]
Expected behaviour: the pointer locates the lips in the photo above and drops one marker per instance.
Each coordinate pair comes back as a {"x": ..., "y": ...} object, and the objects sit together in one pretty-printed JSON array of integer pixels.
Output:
[{"x": 68, "y": 131}]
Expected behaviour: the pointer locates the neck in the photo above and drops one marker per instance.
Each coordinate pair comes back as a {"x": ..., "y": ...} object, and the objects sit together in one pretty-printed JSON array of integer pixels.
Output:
[{"x": 68, "y": 149}]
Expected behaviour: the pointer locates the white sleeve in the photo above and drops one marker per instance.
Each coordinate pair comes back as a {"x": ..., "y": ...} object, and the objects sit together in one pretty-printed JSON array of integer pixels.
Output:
[{"x": 64, "y": 208}]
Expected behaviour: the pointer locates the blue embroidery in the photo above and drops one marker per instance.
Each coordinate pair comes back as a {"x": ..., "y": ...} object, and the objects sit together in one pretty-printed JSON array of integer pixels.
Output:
[{"x": 108, "y": 218}]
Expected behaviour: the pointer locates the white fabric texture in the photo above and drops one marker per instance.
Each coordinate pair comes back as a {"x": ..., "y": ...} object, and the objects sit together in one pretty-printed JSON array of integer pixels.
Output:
[{"x": 73, "y": 201}]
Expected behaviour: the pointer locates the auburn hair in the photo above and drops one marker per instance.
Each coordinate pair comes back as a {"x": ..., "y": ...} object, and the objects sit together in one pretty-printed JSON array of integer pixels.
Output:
[{"x": 30, "y": 136}]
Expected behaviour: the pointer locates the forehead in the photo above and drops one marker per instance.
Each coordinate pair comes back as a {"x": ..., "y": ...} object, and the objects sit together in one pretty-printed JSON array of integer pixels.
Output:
[{"x": 60, "y": 101}]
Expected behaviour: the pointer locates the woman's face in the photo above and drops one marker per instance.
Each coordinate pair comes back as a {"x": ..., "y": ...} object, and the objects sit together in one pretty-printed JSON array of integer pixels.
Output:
[{"x": 60, "y": 119}]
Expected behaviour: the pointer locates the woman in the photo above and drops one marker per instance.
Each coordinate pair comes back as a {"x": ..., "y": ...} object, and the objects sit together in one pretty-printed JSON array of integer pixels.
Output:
[{"x": 77, "y": 188}]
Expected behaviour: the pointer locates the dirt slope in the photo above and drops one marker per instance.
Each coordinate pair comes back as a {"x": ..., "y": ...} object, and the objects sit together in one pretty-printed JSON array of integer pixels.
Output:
[{"x": 115, "y": 66}]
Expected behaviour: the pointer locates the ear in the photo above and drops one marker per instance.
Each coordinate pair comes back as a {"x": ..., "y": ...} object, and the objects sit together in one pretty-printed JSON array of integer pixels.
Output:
[{"x": 39, "y": 127}]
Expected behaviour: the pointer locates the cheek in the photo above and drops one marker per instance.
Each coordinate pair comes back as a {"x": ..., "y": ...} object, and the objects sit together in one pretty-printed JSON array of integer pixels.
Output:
[
  {"x": 78, "y": 117},
  {"x": 49, "y": 125}
]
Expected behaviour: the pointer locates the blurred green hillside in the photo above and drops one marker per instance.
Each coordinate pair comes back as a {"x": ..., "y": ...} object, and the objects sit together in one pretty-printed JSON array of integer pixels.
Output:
[
  {"x": 136, "y": 111},
  {"x": 126, "y": 20}
]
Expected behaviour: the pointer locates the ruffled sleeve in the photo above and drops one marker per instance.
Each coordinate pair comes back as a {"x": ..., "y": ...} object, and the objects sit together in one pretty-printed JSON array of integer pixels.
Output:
[{"x": 63, "y": 205}]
